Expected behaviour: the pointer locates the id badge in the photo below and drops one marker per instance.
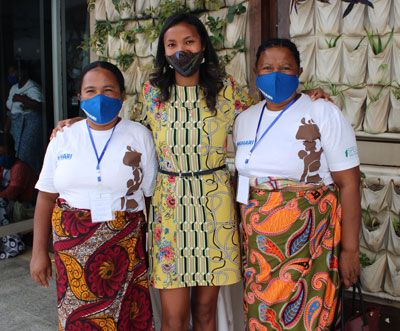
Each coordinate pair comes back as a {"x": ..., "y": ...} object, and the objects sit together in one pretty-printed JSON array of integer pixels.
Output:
[
  {"x": 243, "y": 189},
  {"x": 101, "y": 207}
]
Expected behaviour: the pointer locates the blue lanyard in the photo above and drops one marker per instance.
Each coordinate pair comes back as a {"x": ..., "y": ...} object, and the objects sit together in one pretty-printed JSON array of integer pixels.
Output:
[
  {"x": 256, "y": 142},
  {"x": 95, "y": 150}
]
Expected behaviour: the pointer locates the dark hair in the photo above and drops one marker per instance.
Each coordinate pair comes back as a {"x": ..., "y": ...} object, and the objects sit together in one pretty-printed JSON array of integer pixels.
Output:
[
  {"x": 22, "y": 68},
  {"x": 105, "y": 65},
  {"x": 211, "y": 74},
  {"x": 7, "y": 141},
  {"x": 278, "y": 42}
]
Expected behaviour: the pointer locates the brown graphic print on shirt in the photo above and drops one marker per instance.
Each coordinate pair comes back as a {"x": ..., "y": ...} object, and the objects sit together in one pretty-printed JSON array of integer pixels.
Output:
[
  {"x": 132, "y": 159},
  {"x": 309, "y": 133}
]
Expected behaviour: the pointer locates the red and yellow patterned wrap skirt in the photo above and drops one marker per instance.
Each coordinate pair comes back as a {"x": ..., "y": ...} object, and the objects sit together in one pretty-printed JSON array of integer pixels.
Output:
[
  {"x": 101, "y": 271},
  {"x": 291, "y": 243}
]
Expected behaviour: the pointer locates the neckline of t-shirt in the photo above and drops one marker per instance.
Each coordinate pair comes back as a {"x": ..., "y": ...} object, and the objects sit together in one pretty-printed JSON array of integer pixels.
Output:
[
  {"x": 103, "y": 132},
  {"x": 274, "y": 113}
]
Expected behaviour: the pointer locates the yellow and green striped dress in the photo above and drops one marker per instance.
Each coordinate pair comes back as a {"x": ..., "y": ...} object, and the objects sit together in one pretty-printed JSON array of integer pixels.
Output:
[{"x": 193, "y": 229}]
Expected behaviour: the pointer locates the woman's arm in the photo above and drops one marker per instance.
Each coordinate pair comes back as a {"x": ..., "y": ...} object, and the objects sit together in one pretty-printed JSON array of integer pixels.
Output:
[
  {"x": 40, "y": 262},
  {"x": 27, "y": 102},
  {"x": 62, "y": 123},
  {"x": 318, "y": 93},
  {"x": 348, "y": 182}
]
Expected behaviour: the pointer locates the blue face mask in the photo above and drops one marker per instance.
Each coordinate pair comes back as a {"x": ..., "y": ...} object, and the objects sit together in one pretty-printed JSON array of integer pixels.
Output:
[
  {"x": 12, "y": 79},
  {"x": 277, "y": 86},
  {"x": 6, "y": 161},
  {"x": 101, "y": 109}
]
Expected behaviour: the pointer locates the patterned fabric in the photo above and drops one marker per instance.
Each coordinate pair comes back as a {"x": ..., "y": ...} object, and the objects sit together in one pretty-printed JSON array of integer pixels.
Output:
[
  {"x": 10, "y": 245},
  {"x": 193, "y": 228},
  {"x": 27, "y": 131},
  {"x": 101, "y": 271},
  {"x": 291, "y": 242}
]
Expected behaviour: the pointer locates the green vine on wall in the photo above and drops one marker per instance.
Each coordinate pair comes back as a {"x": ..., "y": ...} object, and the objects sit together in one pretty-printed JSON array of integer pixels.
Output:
[
  {"x": 124, "y": 60},
  {"x": 121, "y": 5},
  {"x": 151, "y": 29}
]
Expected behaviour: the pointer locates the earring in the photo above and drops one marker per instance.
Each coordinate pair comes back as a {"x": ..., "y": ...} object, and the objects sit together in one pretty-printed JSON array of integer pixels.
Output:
[
  {"x": 171, "y": 66},
  {"x": 204, "y": 60}
]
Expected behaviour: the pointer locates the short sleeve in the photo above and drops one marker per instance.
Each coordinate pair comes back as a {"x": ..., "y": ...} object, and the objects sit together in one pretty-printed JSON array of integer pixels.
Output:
[
  {"x": 149, "y": 165},
  {"x": 46, "y": 178},
  {"x": 145, "y": 105},
  {"x": 35, "y": 93},
  {"x": 241, "y": 97},
  {"x": 337, "y": 137}
]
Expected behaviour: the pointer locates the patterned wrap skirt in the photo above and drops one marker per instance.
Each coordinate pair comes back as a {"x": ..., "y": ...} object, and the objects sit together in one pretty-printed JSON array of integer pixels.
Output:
[
  {"x": 101, "y": 271},
  {"x": 291, "y": 242}
]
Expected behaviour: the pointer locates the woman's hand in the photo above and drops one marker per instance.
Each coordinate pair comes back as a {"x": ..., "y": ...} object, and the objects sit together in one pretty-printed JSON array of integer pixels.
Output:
[
  {"x": 61, "y": 124},
  {"x": 318, "y": 93},
  {"x": 41, "y": 268},
  {"x": 348, "y": 182},
  {"x": 349, "y": 267}
]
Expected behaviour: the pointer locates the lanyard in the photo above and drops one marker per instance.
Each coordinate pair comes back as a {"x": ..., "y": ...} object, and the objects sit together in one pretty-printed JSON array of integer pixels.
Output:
[
  {"x": 256, "y": 142},
  {"x": 95, "y": 150}
]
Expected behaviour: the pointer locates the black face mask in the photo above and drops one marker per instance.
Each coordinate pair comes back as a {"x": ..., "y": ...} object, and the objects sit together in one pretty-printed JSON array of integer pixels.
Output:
[{"x": 186, "y": 63}]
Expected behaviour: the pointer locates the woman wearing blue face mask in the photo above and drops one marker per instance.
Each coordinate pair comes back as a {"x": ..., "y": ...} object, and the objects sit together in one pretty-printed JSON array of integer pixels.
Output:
[
  {"x": 97, "y": 176},
  {"x": 293, "y": 156}
]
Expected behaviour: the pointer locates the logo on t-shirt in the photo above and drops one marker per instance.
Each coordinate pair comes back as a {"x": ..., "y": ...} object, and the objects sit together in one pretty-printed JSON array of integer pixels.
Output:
[
  {"x": 244, "y": 142},
  {"x": 65, "y": 156},
  {"x": 309, "y": 132},
  {"x": 351, "y": 151}
]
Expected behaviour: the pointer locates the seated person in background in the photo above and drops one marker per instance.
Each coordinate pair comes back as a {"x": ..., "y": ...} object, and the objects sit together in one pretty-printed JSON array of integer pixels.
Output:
[{"x": 17, "y": 182}]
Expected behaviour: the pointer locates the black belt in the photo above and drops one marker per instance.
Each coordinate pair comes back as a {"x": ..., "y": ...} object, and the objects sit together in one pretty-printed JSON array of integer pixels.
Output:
[{"x": 192, "y": 173}]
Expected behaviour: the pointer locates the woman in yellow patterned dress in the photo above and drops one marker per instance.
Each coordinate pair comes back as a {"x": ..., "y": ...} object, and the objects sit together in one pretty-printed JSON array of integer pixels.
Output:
[{"x": 190, "y": 105}]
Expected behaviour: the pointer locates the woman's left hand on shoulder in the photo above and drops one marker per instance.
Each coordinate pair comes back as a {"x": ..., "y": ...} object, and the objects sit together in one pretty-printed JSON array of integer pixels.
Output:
[
  {"x": 349, "y": 267},
  {"x": 318, "y": 93}
]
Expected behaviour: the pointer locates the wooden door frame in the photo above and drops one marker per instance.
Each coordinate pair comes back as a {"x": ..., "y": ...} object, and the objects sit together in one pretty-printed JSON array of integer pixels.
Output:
[{"x": 263, "y": 16}]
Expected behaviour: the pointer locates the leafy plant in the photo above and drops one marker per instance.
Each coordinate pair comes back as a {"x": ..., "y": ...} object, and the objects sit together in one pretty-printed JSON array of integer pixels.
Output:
[
  {"x": 98, "y": 39},
  {"x": 213, "y": 4},
  {"x": 359, "y": 44},
  {"x": 199, "y": 4},
  {"x": 309, "y": 85},
  {"x": 365, "y": 261},
  {"x": 334, "y": 89},
  {"x": 91, "y": 4},
  {"x": 117, "y": 28},
  {"x": 129, "y": 36},
  {"x": 375, "y": 98},
  {"x": 396, "y": 225},
  {"x": 396, "y": 92},
  {"x": 240, "y": 45},
  {"x": 216, "y": 26},
  {"x": 121, "y": 5},
  {"x": 149, "y": 31},
  {"x": 124, "y": 60},
  {"x": 371, "y": 222},
  {"x": 235, "y": 10},
  {"x": 331, "y": 43},
  {"x": 353, "y": 2},
  {"x": 375, "y": 40}
]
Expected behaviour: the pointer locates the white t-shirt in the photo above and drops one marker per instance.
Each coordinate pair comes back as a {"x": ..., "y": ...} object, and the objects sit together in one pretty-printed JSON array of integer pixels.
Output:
[
  {"x": 30, "y": 89},
  {"x": 128, "y": 168},
  {"x": 309, "y": 140}
]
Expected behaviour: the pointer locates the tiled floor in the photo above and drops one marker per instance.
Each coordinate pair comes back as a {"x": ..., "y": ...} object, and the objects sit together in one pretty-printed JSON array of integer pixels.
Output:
[{"x": 25, "y": 306}]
